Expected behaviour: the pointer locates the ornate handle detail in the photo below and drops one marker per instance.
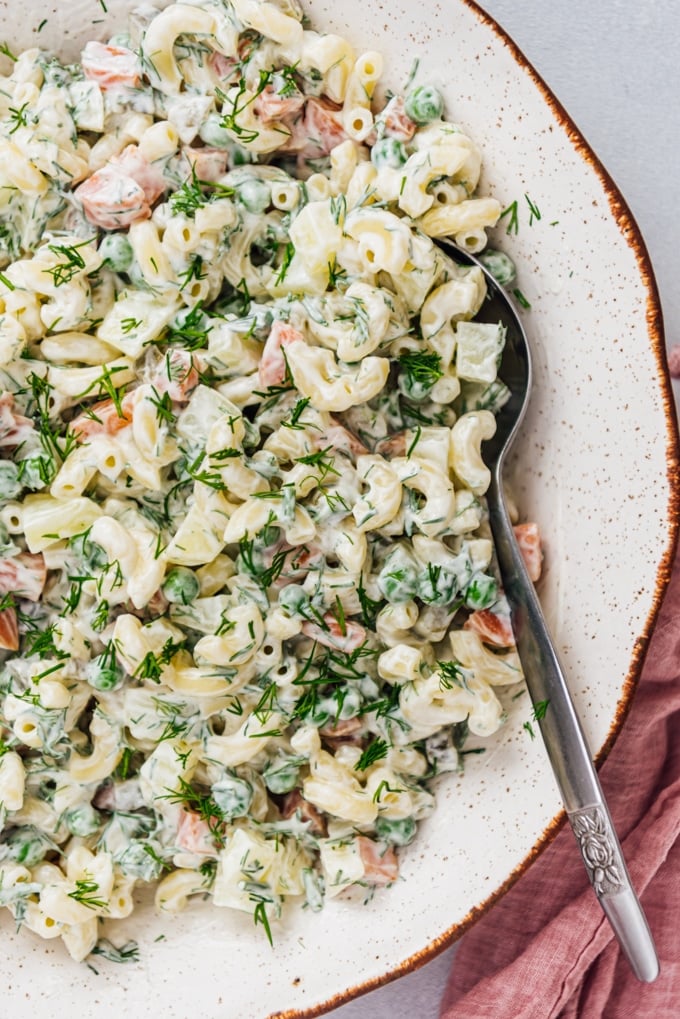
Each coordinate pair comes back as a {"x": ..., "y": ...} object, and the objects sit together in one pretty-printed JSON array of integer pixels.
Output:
[{"x": 599, "y": 849}]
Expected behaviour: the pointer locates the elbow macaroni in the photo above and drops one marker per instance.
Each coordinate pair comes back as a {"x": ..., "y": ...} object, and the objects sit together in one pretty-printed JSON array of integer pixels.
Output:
[{"x": 241, "y": 481}]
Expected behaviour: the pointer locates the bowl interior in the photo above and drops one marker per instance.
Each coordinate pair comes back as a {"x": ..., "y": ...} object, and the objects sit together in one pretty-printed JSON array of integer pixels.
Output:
[{"x": 590, "y": 466}]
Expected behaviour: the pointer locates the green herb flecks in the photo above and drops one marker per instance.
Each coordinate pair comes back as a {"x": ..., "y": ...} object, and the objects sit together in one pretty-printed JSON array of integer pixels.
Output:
[
  {"x": 201, "y": 803},
  {"x": 534, "y": 211},
  {"x": 375, "y": 751},
  {"x": 539, "y": 710},
  {"x": 423, "y": 367},
  {"x": 85, "y": 892},
  {"x": 521, "y": 299},
  {"x": 129, "y": 952},
  {"x": 63, "y": 272},
  {"x": 512, "y": 211},
  {"x": 288, "y": 255}
]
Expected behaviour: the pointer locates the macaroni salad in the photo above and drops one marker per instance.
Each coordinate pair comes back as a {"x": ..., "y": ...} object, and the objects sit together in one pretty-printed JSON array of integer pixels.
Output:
[{"x": 249, "y": 605}]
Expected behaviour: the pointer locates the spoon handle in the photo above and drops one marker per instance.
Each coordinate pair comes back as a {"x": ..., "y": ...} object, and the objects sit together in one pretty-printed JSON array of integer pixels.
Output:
[{"x": 568, "y": 751}]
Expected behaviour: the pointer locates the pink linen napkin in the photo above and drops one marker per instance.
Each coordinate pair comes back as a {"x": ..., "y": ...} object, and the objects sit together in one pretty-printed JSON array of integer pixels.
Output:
[{"x": 546, "y": 950}]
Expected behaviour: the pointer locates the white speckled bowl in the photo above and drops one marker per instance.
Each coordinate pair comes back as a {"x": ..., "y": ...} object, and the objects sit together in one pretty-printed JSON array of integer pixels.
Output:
[{"x": 597, "y": 467}]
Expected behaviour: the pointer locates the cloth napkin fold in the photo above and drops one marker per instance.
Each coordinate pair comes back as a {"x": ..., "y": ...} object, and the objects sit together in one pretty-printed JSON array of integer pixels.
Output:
[{"x": 546, "y": 950}]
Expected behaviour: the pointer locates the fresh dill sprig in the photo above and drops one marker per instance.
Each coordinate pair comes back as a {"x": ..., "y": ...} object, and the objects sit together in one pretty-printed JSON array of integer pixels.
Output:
[
  {"x": 375, "y": 751},
  {"x": 422, "y": 366},
  {"x": 512, "y": 211},
  {"x": 63, "y": 272},
  {"x": 85, "y": 892}
]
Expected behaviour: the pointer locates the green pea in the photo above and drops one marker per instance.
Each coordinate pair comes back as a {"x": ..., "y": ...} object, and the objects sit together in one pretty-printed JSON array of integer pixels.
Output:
[
  {"x": 233, "y": 795},
  {"x": 116, "y": 251},
  {"x": 257, "y": 322},
  {"x": 500, "y": 265},
  {"x": 293, "y": 599},
  {"x": 397, "y": 582},
  {"x": 252, "y": 436},
  {"x": 255, "y": 195},
  {"x": 415, "y": 389},
  {"x": 388, "y": 152},
  {"x": 396, "y": 831},
  {"x": 437, "y": 586},
  {"x": 103, "y": 673},
  {"x": 214, "y": 134},
  {"x": 190, "y": 322},
  {"x": 36, "y": 472},
  {"x": 105, "y": 679},
  {"x": 26, "y": 846},
  {"x": 281, "y": 775},
  {"x": 424, "y": 104},
  {"x": 142, "y": 859},
  {"x": 441, "y": 752},
  {"x": 345, "y": 704},
  {"x": 181, "y": 585},
  {"x": 136, "y": 276},
  {"x": 92, "y": 555},
  {"x": 83, "y": 820},
  {"x": 241, "y": 156},
  {"x": 481, "y": 592},
  {"x": 321, "y": 714},
  {"x": 10, "y": 486}
]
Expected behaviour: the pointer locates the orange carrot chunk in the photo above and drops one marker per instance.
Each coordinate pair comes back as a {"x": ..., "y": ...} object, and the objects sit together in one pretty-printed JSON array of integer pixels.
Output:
[
  {"x": 9, "y": 630},
  {"x": 492, "y": 628},
  {"x": 23, "y": 575},
  {"x": 529, "y": 542},
  {"x": 111, "y": 67},
  {"x": 381, "y": 866}
]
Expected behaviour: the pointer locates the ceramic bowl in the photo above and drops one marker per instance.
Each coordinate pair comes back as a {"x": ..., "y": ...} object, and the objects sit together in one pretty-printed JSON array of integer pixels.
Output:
[{"x": 594, "y": 465}]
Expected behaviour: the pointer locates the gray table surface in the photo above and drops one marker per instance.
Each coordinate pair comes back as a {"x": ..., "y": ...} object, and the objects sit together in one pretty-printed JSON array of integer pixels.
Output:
[{"x": 613, "y": 64}]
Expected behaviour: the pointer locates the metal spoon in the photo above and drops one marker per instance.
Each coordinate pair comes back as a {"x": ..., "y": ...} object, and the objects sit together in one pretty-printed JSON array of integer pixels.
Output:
[{"x": 562, "y": 733}]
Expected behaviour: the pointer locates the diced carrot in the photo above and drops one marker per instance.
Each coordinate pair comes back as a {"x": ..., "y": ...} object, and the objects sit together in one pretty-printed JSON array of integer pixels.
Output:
[
  {"x": 297, "y": 565},
  {"x": 229, "y": 69},
  {"x": 224, "y": 67},
  {"x": 272, "y": 369},
  {"x": 24, "y": 575},
  {"x": 397, "y": 122},
  {"x": 124, "y": 796},
  {"x": 14, "y": 427},
  {"x": 339, "y": 437},
  {"x": 9, "y": 630},
  {"x": 270, "y": 105},
  {"x": 176, "y": 375},
  {"x": 316, "y": 131},
  {"x": 104, "y": 418},
  {"x": 342, "y": 728},
  {"x": 148, "y": 175},
  {"x": 304, "y": 556},
  {"x": 529, "y": 541},
  {"x": 381, "y": 866},
  {"x": 122, "y": 192},
  {"x": 194, "y": 834},
  {"x": 492, "y": 628},
  {"x": 112, "y": 200},
  {"x": 294, "y": 802},
  {"x": 346, "y": 638},
  {"x": 392, "y": 445},
  {"x": 323, "y": 125},
  {"x": 344, "y": 732},
  {"x": 111, "y": 66},
  {"x": 206, "y": 163}
]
